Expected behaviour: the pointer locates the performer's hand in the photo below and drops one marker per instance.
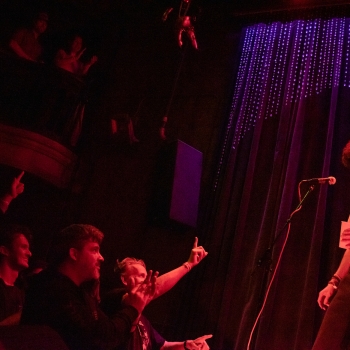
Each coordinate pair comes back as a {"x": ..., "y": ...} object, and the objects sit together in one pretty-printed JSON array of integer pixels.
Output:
[
  {"x": 325, "y": 296},
  {"x": 197, "y": 254}
]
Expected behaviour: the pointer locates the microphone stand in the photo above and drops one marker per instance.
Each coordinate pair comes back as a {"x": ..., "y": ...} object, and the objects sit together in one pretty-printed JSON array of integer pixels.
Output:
[{"x": 266, "y": 258}]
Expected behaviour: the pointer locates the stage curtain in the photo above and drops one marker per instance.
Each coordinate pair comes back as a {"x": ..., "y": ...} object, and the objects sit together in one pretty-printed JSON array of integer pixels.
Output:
[{"x": 289, "y": 121}]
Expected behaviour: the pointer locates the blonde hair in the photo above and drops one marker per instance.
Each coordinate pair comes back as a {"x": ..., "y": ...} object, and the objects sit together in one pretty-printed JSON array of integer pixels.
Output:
[{"x": 121, "y": 266}]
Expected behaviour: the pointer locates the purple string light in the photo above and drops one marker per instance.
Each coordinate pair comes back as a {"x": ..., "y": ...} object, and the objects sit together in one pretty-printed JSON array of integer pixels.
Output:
[{"x": 283, "y": 63}]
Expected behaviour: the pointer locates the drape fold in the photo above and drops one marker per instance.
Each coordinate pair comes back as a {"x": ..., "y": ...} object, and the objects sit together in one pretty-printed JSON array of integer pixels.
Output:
[{"x": 289, "y": 121}]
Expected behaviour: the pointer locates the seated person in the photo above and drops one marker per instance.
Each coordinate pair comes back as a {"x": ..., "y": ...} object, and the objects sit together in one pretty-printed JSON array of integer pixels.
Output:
[
  {"x": 14, "y": 257},
  {"x": 121, "y": 123},
  {"x": 25, "y": 42},
  {"x": 132, "y": 273},
  {"x": 69, "y": 58},
  {"x": 56, "y": 296}
]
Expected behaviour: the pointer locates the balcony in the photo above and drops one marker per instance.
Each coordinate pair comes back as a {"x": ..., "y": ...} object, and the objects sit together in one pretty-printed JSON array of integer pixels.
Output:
[{"x": 41, "y": 111}]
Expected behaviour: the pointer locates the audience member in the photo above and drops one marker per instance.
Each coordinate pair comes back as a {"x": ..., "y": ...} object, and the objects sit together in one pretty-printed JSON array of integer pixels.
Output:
[
  {"x": 14, "y": 257},
  {"x": 17, "y": 187},
  {"x": 121, "y": 123},
  {"x": 56, "y": 296},
  {"x": 69, "y": 58},
  {"x": 25, "y": 42},
  {"x": 132, "y": 273}
]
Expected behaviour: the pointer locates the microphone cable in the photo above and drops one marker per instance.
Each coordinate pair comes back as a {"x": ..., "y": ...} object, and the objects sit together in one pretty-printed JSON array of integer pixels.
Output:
[{"x": 272, "y": 279}]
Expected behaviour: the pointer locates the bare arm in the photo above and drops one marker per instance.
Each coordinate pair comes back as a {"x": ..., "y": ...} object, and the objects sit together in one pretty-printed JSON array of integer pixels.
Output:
[
  {"x": 87, "y": 66},
  {"x": 325, "y": 296},
  {"x": 62, "y": 58},
  {"x": 173, "y": 345},
  {"x": 179, "y": 37},
  {"x": 344, "y": 265},
  {"x": 17, "y": 187},
  {"x": 12, "y": 320},
  {"x": 197, "y": 344},
  {"x": 19, "y": 51},
  {"x": 168, "y": 280}
]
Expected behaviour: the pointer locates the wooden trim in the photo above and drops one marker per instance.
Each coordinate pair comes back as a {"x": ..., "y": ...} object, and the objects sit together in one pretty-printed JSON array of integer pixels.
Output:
[{"x": 37, "y": 155}]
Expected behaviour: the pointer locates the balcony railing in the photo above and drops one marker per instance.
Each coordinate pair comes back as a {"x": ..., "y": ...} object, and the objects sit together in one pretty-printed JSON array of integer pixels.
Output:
[
  {"x": 41, "y": 111},
  {"x": 40, "y": 98}
]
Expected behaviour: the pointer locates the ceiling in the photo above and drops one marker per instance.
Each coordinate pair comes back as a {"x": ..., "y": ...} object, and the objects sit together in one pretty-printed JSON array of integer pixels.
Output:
[{"x": 265, "y": 5}]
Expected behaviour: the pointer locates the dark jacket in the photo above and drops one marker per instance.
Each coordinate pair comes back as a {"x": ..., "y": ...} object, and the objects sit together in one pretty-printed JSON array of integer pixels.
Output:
[{"x": 54, "y": 300}]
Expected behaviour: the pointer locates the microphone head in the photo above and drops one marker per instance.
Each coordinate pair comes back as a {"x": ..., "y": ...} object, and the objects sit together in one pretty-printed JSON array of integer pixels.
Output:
[{"x": 332, "y": 180}]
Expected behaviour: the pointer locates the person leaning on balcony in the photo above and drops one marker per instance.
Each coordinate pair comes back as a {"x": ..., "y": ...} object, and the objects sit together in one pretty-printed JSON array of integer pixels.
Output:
[
  {"x": 69, "y": 58},
  {"x": 25, "y": 42}
]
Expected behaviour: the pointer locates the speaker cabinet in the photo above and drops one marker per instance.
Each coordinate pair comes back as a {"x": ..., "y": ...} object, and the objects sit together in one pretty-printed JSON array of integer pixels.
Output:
[{"x": 177, "y": 185}]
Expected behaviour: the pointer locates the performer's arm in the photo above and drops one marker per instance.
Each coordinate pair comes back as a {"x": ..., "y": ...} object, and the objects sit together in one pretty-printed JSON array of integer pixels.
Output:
[{"x": 325, "y": 296}]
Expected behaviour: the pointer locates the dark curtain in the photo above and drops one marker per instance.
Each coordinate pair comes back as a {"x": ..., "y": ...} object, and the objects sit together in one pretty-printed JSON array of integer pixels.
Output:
[{"x": 289, "y": 121}]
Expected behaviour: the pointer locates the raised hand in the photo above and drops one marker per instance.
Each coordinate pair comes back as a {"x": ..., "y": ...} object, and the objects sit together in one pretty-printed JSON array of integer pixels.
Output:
[
  {"x": 93, "y": 60},
  {"x": 77, "y": 56},
  {"x": 144, "y": 293},
  {"x": 198, "y": 253},
  {"x": 17, "y": 187},
  {"x": 198, "y": 344}
]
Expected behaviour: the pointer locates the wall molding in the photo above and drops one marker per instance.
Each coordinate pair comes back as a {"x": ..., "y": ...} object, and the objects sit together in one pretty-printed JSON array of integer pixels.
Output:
[{"x": 37, "y": 155}]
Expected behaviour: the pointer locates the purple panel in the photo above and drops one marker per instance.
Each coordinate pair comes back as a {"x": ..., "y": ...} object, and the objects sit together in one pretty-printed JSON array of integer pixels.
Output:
[{"x": 186, "y": 184}]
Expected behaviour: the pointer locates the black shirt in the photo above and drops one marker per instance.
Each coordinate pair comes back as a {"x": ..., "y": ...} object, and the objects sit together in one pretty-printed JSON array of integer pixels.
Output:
[
  {"x": 11, "y": 300},
  {"x": 53, "y": 299},
  {"x": 144, "y": 337}
]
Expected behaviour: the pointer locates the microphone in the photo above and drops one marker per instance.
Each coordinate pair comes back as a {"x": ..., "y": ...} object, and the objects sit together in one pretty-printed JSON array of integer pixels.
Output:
[{"x": 330, "y": 180}]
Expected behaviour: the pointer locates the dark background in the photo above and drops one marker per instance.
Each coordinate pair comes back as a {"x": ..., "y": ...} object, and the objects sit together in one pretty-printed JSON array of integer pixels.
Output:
[{"x": 139, "y": 64}]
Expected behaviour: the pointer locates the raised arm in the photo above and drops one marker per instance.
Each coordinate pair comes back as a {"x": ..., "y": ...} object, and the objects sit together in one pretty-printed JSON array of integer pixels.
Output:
[
  {"x": 168, "y": 280},
  {"x": 18, "y": 50},
  {"x": 197, "y": 344},
  {"x": 87, "y": 65},
  {"x": 78, "y": 319},
  {"x": 12, "y": 320},
  {"x": 17, "y": 187},
  {"x": 325, "y": 296},
  {"x": 62, "y": 58},
  {"x": 143, "y": 294}
]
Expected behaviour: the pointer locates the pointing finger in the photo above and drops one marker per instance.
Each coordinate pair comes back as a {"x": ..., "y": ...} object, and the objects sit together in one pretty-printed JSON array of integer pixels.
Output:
[
  {"x": 203, "y": 338},
  {"x": 19, "y": 177}
]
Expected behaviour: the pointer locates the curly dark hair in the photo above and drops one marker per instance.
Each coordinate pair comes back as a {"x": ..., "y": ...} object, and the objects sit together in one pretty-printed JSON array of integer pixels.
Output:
[
  {"x": 9, "y": 232},
  {"x": 73, "y": 236}
]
